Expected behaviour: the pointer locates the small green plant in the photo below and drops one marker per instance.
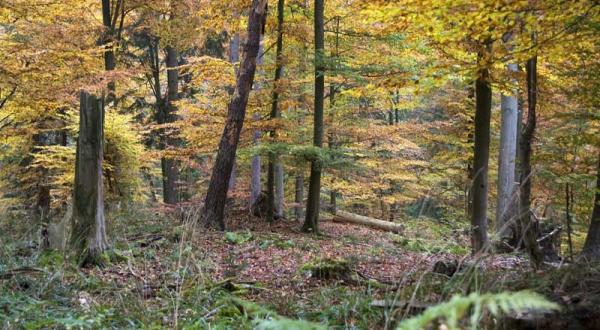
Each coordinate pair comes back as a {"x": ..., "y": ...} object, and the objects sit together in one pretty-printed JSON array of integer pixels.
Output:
[
  {"x": 496, "y": 303},
  {"x": 237, "y": 238}
]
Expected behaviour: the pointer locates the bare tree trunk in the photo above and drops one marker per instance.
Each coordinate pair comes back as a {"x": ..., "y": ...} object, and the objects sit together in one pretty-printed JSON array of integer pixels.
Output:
[
  {"x": 214, "y": 205},
  {"x": 479, "y": 190},
  {"x": 275, "y": 171},
  {"x": 109, "y": 20},
  {"x": 299, "y": 196},
  {"x": 234, "y": 57},
  {"x": 256, "y": 167},
  {"x": 168, "y": 164},
  {"x": 279, "y": 191},
  {"x": 314, "y": 188},
  {"x": 591, "y": 247},
  {"x": 527, "y": 227},
  {"x": 505, "y": 209},
  {"x": 568, "y": 208},
  {"x": 88, "y": 236}
]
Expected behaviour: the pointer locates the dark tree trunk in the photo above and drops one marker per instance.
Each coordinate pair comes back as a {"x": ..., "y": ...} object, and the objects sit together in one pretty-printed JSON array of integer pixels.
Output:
[
  {"x": 168, "y": 164},
  {"x": 109, "y": 21},
  {"x": 214, "y": 204},
  {"x": 527, "y": 227},
  {"x": 591, "y": 247},
  {"x": 479, "y": 189},
  {"x": 314, "y": 186},
  {"x": 88, "y": 236},
  {"x": 275, "y": 113}
]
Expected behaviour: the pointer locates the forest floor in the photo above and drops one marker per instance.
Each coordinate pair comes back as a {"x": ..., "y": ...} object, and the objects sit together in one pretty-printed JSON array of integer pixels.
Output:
[{"x": 172, "y": 273}]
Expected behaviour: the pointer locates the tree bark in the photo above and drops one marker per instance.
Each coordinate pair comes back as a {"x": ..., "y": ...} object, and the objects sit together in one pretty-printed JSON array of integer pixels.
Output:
[
  {"x": 168, "y": 164},
  {"x": 110, "y": 61},
  {"x": 591, "y": 247},
  {"x": 479, "y": 193},
  {"x": 348, "y": 217},
  {"x": 299, "y": 198},
  {"x": 527, "y": 227},
  {"x": 314, "y": 188},
  {"x": 505, "y": 210},
  {"x": 256, "y": 166},
  {"x": 234, "y": 57},
  {"x": 275, "y": 171},
  {"x": 214, "y": 205},
  {"x": 88, "y": 237}
]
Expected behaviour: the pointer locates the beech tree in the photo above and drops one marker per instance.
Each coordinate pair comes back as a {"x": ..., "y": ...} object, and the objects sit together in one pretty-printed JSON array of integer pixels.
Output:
[
  {"x": 479, "y": 188},
  {"x": 214, "y": 204},
  {"x": 311, "y": 222},
  {"x": 275, "y": 170}
]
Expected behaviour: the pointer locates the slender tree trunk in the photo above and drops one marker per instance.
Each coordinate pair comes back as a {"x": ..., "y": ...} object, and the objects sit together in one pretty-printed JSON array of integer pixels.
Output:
[
  {"x": 274, "y": 210},
  {"x": 479, "y": 190},
  {"x": 591, "y": 247},
  {"x": 234, "y": 57},
  {"x": 568, "y": 208},
  {"x": 168, "y": 164},
  {"x": 279, "y": 191},
  {"x": 214, "y": 205},
  {"x": 256, "y": 166},
  {"x": 88, "y": 237},
  {"x": 314, "y": 188},
  {"x": 505, "y": 209},
  {"x": 299, "y": 196},
  {"x": 109, "y": 22},
  {"x": 332, "y": 92},
  {"x": 527, "y": 227}
]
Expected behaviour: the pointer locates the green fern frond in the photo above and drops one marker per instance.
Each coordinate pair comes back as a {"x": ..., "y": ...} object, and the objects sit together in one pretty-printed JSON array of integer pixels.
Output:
[{"x": 496, "y": 303}]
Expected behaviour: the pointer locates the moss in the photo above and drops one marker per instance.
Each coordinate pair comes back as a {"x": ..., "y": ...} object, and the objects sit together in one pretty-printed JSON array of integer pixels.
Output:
[{"x": 328, "y": 268}]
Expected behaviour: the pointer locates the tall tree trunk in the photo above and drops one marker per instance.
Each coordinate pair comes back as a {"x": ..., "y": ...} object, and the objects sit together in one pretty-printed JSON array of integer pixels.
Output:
[
  {"x": 214, "y": 204},
  {"x": 591, "y": 247},
  {"x": 527, "y": 227},
  {"x": 314, "y": 187},
  {"x": 483, "y": 104},
  {"x": 88, "y": 236},
  {"x": 505, "y": 209},
  {"x": 109, "y": 19},
  {"x": 234, "y": 57},
  {"x": 168, "y": 164},
  {"x": 298, "y": 210},
  {"x": 256, "y": 166},
  {"x": 275, "y": 171},
  {"x": 279, "y": 191}
]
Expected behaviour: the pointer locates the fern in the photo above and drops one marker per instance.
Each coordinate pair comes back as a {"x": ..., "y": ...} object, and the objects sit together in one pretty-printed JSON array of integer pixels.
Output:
[{"x": 496, "y": 303}]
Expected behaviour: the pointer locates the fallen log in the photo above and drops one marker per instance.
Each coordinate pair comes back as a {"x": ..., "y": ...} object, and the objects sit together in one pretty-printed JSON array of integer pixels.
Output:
[{"x": 347, "y": 217}]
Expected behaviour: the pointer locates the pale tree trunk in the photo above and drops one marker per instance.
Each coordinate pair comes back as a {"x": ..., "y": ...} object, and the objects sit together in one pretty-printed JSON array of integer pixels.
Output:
[
  {"x": 275, "y": 170},
  {"x": 505, "y": 209},
  {"x": 279, "y": 191},
  {"x": 591, "y": 247},
  {"x": 214, "y": 204},
  {"x": 88, "y": 236},
  {"x": 479, "y": 189},
  {"x": 298, "y": 210},
  {"x": 234, "y": 57},
  {"x": 311, "y": 222},
  {"x": 256, "y": 167}
]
